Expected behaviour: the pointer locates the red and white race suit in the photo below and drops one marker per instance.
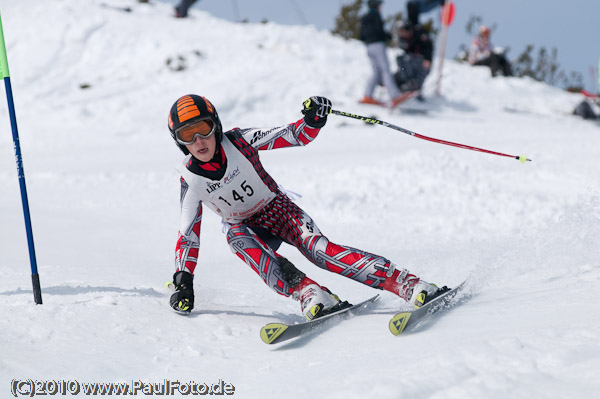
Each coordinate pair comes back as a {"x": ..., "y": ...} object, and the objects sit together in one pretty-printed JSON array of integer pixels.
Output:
[{"x": 247, "y": 197}]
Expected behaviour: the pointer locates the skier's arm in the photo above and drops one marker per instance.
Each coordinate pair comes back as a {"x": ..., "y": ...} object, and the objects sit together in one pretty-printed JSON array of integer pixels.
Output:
[
  {"x": 304, "y": 131},
  {"x": 188, "y": 243}
]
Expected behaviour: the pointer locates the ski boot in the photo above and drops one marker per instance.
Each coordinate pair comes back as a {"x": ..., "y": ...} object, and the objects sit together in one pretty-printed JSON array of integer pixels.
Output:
[
  {"x": 424, "y": 292},
  {"x": 182, "y": 301},
  {"x": 411, "y": 288},
  {"x": 317, "y": 301}
]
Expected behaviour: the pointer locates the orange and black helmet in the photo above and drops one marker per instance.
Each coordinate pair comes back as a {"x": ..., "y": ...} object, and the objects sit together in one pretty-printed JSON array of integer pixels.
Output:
[{"x": 189, "y": 109}]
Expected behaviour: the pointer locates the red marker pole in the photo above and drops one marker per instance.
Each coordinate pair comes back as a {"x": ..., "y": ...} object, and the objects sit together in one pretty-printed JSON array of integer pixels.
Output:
[{"x": 447, "y": 18}]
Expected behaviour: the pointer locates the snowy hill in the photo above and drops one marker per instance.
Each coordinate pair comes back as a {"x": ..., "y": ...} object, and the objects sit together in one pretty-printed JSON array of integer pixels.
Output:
[{"x": 104, "y": 197}]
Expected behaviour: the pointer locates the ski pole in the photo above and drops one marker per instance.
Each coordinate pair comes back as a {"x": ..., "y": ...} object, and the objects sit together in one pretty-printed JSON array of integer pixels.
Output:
[
  {"x": 374, "y": 121},
  {"x": 4, "y": 73}
]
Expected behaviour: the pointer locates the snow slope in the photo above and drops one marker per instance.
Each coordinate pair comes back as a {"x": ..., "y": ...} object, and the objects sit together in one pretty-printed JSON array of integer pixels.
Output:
[{"x": 103, "y": 190}]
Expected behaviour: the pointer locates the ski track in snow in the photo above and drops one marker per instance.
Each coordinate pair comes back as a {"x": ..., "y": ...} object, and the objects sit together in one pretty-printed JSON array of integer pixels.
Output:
[{"x": 103, "y": 191}]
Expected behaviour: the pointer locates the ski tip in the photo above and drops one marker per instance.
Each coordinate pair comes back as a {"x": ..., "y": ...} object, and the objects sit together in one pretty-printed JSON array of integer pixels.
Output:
[
  {"x": 398, "y": 322},
  {"x": 271, "y": 332}
]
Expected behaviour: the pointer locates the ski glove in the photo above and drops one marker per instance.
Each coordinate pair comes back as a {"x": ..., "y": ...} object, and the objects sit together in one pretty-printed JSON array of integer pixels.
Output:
[
  {"x": 182, "y": 300},
  {"x": 316, "y": 110}
]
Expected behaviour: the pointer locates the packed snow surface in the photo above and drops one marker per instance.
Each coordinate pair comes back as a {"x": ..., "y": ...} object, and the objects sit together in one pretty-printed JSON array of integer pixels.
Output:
[{"x": 93, "y": 85}]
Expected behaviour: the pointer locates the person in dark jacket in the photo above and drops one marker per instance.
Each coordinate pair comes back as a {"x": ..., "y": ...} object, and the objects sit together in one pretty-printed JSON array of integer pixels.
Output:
[
  {"x": 415, "y": 62},
  {"x": 416, "y": 7},
  {"x": 374, "y": 36}
]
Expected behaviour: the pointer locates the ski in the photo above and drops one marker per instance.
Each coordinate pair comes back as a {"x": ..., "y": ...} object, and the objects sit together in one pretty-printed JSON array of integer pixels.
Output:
[
  {"x": 408, "y": 320},
  {"x": 274, "y": 333},
  {"x": 405, "y": 97}
]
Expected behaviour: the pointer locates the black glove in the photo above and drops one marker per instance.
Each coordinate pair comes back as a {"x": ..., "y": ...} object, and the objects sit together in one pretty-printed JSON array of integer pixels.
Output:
[
  {"x": 316, "y": 110},
  {"x": 183, "y": 298}
]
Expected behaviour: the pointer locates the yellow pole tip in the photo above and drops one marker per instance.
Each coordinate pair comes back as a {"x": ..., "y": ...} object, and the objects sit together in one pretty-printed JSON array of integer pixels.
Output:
[{"x": 523, "y": 158}]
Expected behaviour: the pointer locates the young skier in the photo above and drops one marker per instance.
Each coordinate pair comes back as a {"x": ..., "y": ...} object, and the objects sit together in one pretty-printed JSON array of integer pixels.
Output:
[{"x": 223, "y": 171}]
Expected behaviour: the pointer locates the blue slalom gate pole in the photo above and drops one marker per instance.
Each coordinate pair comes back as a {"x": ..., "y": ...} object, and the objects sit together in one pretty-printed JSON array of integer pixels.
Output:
[{"x": 35, "y": 277}]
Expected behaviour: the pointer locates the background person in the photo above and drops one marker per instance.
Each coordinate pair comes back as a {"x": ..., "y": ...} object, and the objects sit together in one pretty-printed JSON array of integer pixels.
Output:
[
  {"x": 482, "y": 52},
  {"x": 374, "y": 36}
]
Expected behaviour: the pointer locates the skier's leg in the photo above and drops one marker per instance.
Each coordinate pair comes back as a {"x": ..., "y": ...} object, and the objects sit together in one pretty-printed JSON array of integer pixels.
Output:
[
  {"x": 278, "y": 272},
  {"x": 269, "y": 239},
  {"x": 284, "y": 218},
  {"x": 368, "y": 268},
  {"x": 263, "y": 260}
]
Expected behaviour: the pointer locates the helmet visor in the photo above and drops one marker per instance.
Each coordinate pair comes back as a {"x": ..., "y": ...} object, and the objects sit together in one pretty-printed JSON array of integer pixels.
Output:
[{"x": 187, "y": 134}]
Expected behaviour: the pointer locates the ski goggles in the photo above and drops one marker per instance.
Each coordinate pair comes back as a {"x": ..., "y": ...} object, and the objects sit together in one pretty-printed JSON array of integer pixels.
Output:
[{"x": 187, "y": 134}]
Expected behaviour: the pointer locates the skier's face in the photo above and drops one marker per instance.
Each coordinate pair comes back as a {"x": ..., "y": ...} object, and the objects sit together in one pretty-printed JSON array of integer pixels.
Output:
[{"x": 203, "y": 149}]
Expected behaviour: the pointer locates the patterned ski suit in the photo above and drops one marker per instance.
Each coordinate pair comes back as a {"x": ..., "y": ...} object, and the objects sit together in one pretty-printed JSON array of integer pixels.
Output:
[{"x": 248, "y": 199}]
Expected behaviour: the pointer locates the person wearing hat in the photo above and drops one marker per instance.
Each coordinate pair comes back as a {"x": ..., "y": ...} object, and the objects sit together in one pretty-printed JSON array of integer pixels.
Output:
[{"x": 482, "y": 52}]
